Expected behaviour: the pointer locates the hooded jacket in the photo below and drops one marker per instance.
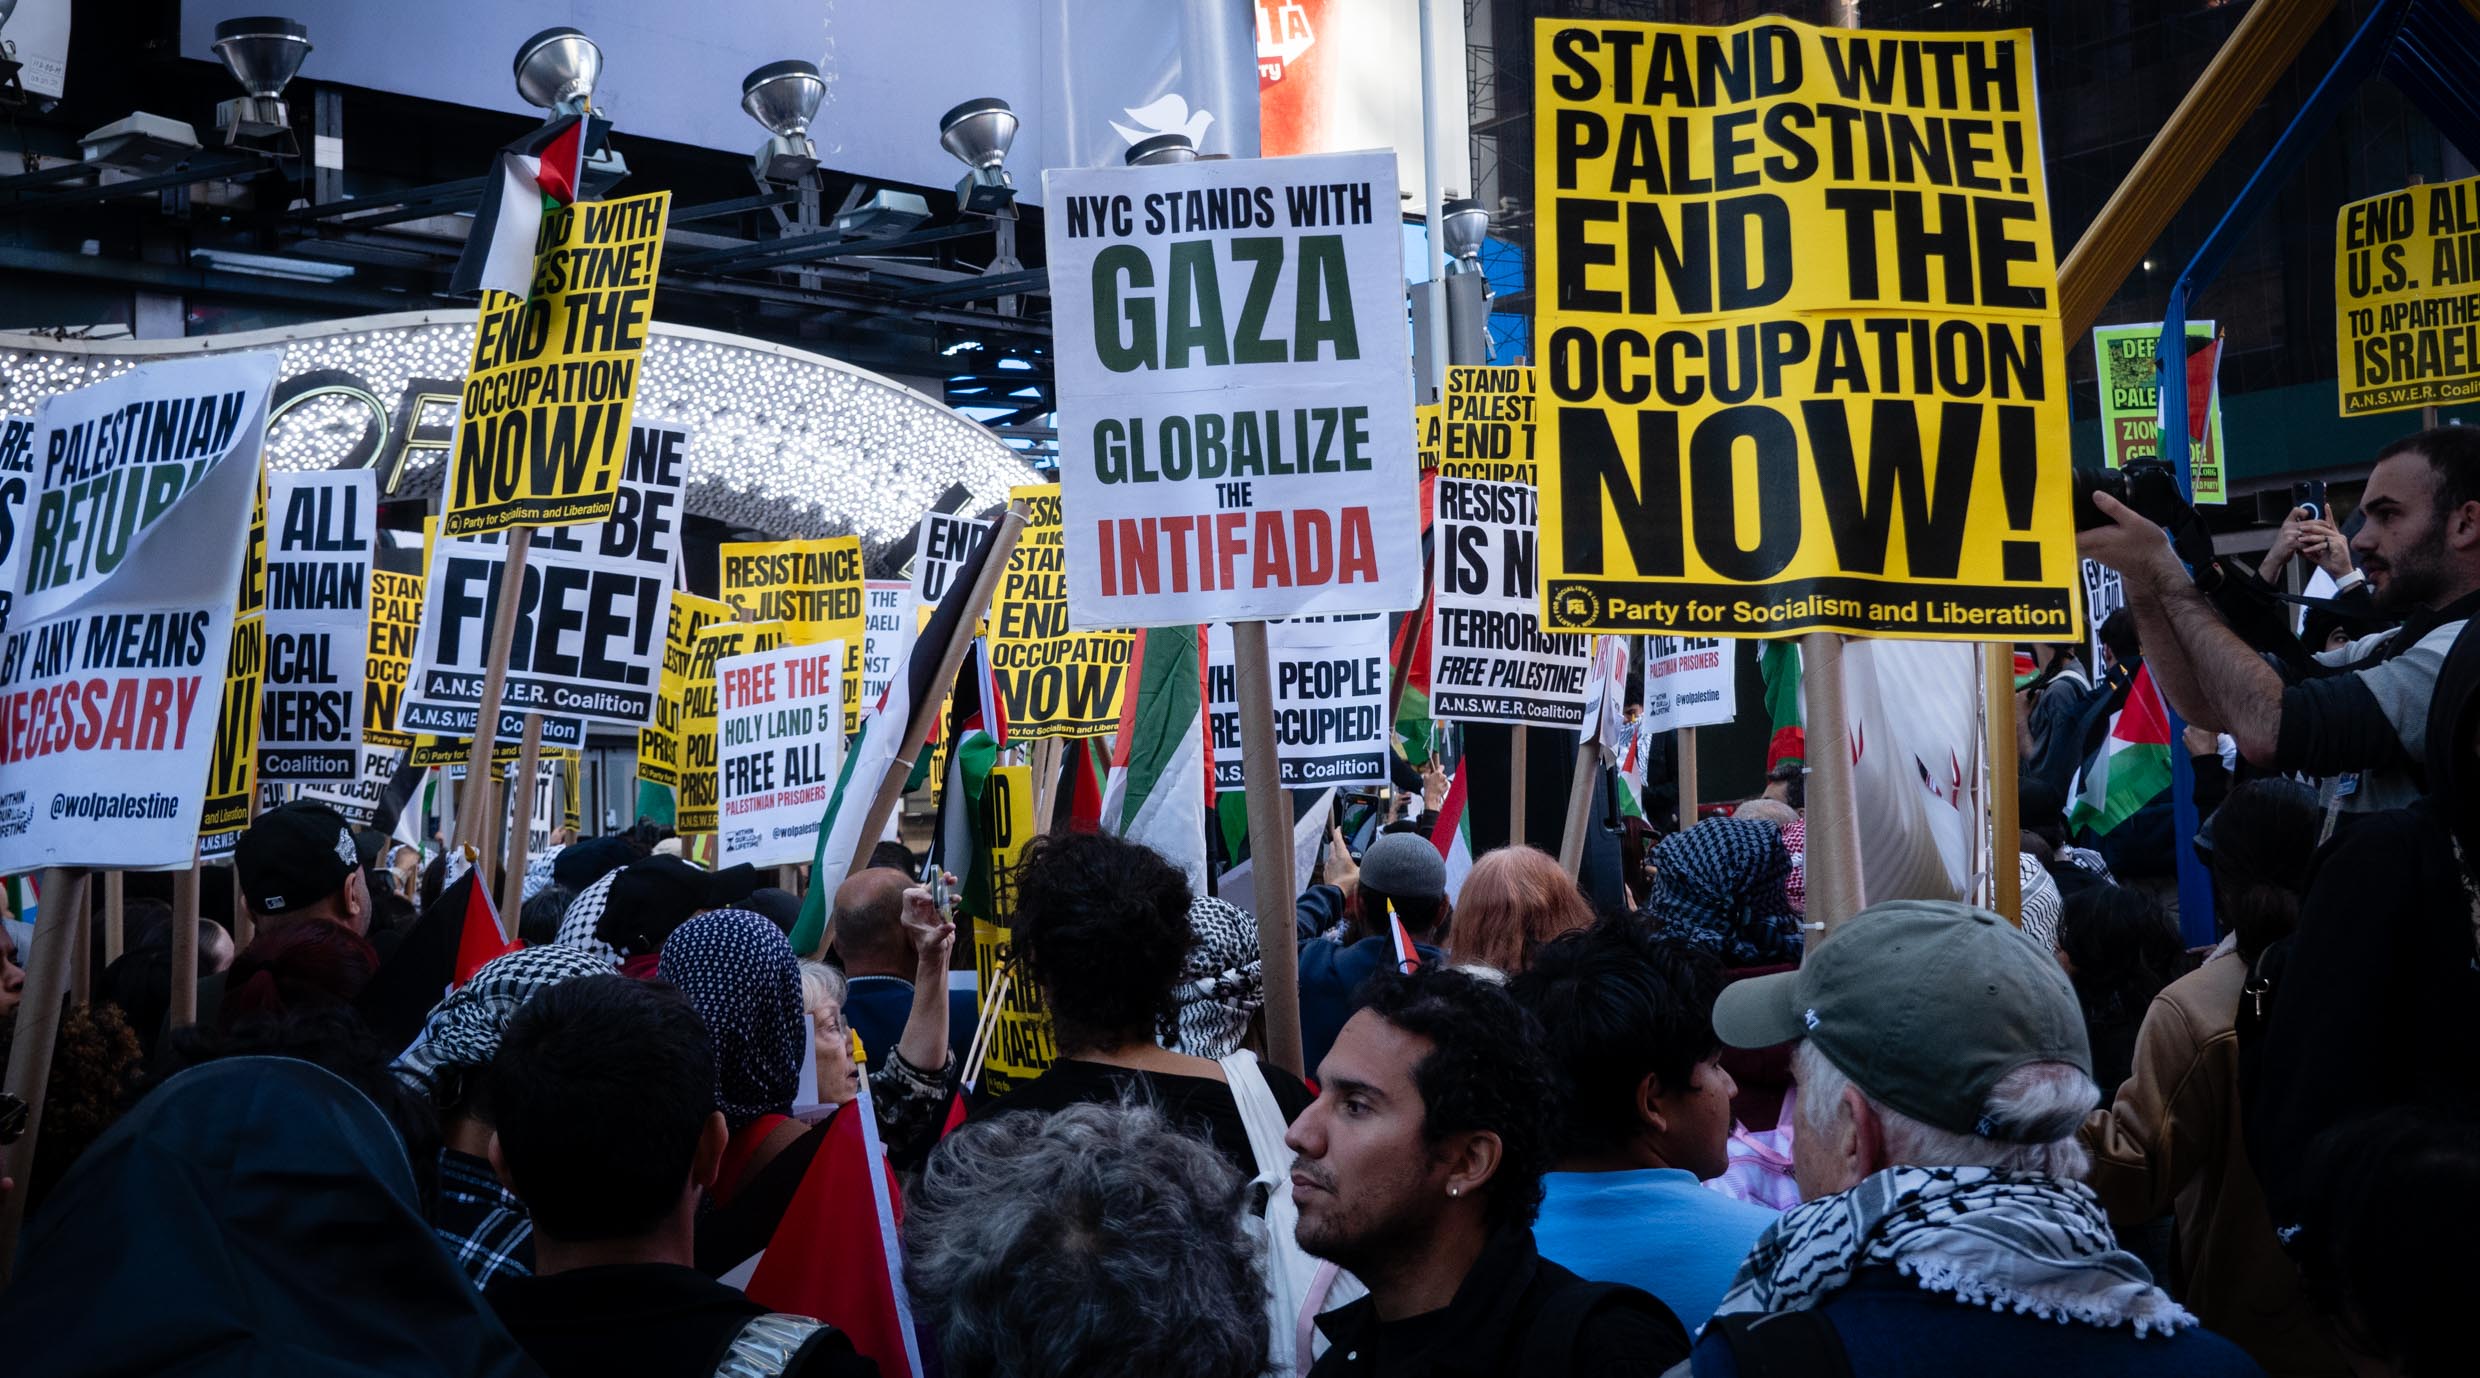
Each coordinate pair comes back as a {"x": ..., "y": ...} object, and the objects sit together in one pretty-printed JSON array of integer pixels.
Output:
[{"x": 255, "y": 1215}]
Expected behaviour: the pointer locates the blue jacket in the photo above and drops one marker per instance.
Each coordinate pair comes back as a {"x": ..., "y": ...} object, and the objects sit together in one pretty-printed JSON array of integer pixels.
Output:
[
  {"x": 1331, "y": 973},
  {"x": 1891, "y": 1326}
]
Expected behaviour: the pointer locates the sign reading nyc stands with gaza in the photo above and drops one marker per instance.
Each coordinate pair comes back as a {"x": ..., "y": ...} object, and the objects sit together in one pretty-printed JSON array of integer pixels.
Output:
[{"x": 1235, "y": 422}]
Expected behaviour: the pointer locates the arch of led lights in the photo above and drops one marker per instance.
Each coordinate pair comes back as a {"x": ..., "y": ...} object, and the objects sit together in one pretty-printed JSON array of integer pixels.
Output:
[{"x": 783, "y": 441}]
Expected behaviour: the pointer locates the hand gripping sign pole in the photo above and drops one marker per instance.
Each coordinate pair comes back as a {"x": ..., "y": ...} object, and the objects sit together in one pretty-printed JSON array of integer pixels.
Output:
[
  {"x": 38, "y": 1029},
  {"x": 1270, "y": 844}
]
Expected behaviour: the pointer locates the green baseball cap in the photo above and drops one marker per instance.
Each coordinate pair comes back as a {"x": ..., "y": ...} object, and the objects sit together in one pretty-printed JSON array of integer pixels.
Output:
[{"x": 1924, "y": 1004}]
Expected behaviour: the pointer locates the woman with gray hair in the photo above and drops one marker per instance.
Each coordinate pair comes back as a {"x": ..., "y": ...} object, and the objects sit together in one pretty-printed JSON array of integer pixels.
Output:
[{"x": 1094, "y": 1241}]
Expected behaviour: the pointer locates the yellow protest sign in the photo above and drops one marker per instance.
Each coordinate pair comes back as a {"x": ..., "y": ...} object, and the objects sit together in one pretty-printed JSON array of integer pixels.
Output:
[
  {"x": 2407, "y": 298},
  {"x": 543, "y": 425},
  {"x": 1051, "y": 681},
  {"x": 1021, "y": 1043},
  {"x": 232, "y": 769},
  {"x": 395, "y": 615},
  {"x": 814, "y": 588},
  {"x": 456, "y": 752},
  {"x": 1487, "y": 432},
  {"x": 253, "y": 593},
  {"x": 1429, "y": 433},
  {"x": 658, "y": 743},
  {"x": 699, "y": 789},
  {"x": 1800, "y": 338}
]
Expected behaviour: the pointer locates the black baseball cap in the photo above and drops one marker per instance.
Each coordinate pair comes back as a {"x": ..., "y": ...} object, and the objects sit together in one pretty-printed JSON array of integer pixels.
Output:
[{"x": 294, "y": 856}]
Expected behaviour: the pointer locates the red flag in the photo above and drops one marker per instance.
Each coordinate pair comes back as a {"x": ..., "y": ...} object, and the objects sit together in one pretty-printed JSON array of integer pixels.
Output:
[
  {"x": 563, "y": 162},
  {"x": 482, "y": 938},
  {"x": 1407, "y": 956},
  {"x": 2204, "y": 376},
  {"x": 834, "y": 1256}
]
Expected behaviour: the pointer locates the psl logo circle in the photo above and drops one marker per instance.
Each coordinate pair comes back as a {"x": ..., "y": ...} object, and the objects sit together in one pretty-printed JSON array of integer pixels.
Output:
[{"x": 1573, "y": 605}]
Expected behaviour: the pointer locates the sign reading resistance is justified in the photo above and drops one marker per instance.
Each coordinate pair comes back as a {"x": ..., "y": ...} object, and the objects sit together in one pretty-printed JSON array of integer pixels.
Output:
[{"x": 1801, "y": 360}]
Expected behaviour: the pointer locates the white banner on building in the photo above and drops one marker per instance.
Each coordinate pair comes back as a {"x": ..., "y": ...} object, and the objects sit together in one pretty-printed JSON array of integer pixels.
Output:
[
  {"x": 112, "y": 670},
  {"x": 1235, "y": 395},
  {"x": 779, "y": 741}
]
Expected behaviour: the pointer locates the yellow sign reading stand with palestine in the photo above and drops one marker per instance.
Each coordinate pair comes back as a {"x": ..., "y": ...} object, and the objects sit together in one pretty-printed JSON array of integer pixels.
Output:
[
  {"x": 543, "y": 426},
  {"x": 2407, "y": 298},
  {"x": 1801, "y": 363},
  {"x": 395, "y": 615},
  {"x": 1051, "y": 681},
  {"x": 814, "y": 588},
  {"x": 1488, "y": 431}
]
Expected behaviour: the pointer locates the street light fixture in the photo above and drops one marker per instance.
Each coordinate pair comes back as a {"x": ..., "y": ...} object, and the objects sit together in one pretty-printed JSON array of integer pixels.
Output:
[
  {"x": 979, "y": 132},
  {"x": 783, "y": 97},
  {"x": 557, "y": 69},
  {"x": 1463, "y": 226},
  {"x": 262, "y": 53}
]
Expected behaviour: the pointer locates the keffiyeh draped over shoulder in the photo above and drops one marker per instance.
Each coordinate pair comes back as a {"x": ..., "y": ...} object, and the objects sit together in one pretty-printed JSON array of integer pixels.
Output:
[
  {"x": 463, "y": 1031},
  {"x": 1223, "y": 984},
  {"x": 1719, "y": 885},
  {"x": 741, "y": 977},
  {"x": 585, "y": 913}
]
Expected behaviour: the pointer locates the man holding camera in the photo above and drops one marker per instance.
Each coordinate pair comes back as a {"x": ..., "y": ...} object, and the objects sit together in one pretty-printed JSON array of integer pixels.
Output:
[{"x": 2362, "y": 721}]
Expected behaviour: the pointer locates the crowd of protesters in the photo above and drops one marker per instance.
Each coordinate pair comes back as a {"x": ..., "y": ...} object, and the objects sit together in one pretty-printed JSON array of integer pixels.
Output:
[{"x": 1691, "y": 1130}]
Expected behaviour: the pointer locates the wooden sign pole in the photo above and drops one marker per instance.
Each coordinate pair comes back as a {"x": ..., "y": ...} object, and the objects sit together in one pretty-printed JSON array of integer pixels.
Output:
[
  {"x": 475, "y": 821},
  {"x": 1270, "y": 845},
  {"x": 512, "y": 870},
  {"x": 1685, "y": 742},
  {"x": 82, "y": 955},
  {"x": 2005, "y": 823},
  {"x": 1519, "y": 768},
  {"x": 1835, "y": 890},
  {"x": 57, "y": 933},
  {"x": 115, "y": 913},
  {"x": 185, "y": 941},
  {"x": 1579, "y": 806}
]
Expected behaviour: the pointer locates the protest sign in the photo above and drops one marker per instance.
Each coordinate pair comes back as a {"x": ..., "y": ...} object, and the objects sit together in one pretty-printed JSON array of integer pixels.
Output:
[
  {"x": 2407, "y": 298},
  {"x": 1490, "y": 661},
  {"x": 318, "y": 619},
  {"x": 658, "y": 742},
  {"x": 2129, "y": 381},
  {"x": 1021, "y": 1043},
  {"x": 944, "y": 546},
  {"x": 453, "y": 752},
  {"x": 232, "y": 766},
  {"x": 1429, "y": 432},
  {"x": 16, "y": 481},
  {"x": 1487, "y": 432},
  {"x": 544, "y": 421},
  {"x": 358, "y": 798},
  {"x": 1690, "y": 681},
  {"x": 589, "y": 616},
  {"x": 2104, "y": 593},
  {"x": 121, "y": 627},
  {"x": 697, "y": 806},
  {"x": 1330, "y": 709},
  {"x": 887, "y": 629},
  {"x": 1051, "y": 681},
  {"x": 814, "y": 588},
  {"x": 779, "y": 741},
  {"x": 1235, "y": 428},
  {"x": 1800, "y": 335},
  {"x": 395, "y": 615}
]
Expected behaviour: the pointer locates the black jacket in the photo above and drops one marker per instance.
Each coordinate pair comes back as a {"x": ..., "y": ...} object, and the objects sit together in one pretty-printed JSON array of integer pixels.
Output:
[{"x": 1516, "y": 1313}]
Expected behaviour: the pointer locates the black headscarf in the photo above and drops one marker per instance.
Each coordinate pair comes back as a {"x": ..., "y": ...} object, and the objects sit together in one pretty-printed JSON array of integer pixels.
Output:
[{"x": 260, "y": 1215}]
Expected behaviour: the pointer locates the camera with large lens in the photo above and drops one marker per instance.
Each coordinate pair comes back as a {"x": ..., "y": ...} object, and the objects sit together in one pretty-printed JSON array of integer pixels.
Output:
[
  {"x": 2145, "y": 487},
  {"x": 2150, "y": 489}
]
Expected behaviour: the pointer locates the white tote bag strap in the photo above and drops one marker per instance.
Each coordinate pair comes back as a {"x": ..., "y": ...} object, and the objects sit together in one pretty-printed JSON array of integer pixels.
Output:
[{"x": 1262, "y": 1116}]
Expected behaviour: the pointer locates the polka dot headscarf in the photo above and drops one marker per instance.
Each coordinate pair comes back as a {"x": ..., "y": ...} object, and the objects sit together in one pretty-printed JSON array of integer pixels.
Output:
[{"x": 740, "y": 975}]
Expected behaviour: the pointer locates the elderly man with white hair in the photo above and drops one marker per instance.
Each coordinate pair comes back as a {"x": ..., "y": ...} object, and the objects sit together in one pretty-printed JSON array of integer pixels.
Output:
[{"x": 1943, "y": 1068}]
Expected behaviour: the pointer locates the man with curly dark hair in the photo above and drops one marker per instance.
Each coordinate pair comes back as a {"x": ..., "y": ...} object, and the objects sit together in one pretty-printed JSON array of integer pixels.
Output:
[
  {"x": 1101, "y": 930},
  {"x": 1420, "y": 1172}
]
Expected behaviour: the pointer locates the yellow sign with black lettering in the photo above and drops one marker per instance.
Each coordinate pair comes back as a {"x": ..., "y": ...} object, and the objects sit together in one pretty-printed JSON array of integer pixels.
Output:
[
  {"x": 2407, "y": 298},
  {"x": 395, "y": 615},
  {"x": 658, "y": 742},
  {"x": 1052, "y": 681},
  {"x": 232, "y": 769},
  {"x": 1487, "y": 432},
  {"x": 814, "y": 588},
  {"x": 543, "y": 426},
  {"x": 1021, "y": 1043},
  {"x": 1800, "y": 337}
]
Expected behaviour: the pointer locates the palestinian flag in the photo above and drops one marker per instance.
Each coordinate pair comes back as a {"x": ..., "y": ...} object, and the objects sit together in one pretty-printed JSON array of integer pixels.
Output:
[
  {"x": 1630, "y": 770},
  {"x": 836, "y": 1254},
  {"x": 2133, "y": 766},
  {"x": 1451, "y": 832},
  {"x": 1415, "y": 731},
  {"x": 971, "y": 753},
  {"x": 481, "y": 938},
  {"x": 1779, "y": 664},
  {"x": 533, "y": 175},
  {"x": 875, "y": 751},
  {"x": 1156, "y": 794}
]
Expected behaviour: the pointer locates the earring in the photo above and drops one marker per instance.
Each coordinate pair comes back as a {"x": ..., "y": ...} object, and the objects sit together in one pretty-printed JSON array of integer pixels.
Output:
[{"x": 1455, "y": 1191}]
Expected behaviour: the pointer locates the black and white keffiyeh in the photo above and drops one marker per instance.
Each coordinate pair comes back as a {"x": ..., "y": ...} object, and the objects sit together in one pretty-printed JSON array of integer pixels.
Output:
[
  {"x": 740, "y": 975},
  {"x": 1223, "y": 985},
  {"x": 1720, "y": 886},
  {"x": 585, "y": 914},
  {"x": 2016, "y": 1242},
  {"x": 463, "y": 1032}
]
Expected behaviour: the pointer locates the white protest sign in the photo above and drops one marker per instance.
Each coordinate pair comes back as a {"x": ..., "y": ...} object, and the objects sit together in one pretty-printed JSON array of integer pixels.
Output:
[
  {"x": 113, "y": 666},
  {"x": 2104, "y": 593},
  {"x": 1490, "y": 661},
  {"x": 16, "y": 481},
  {"x": 1690, "y": 681},
  {"x": 779, "y": 741},
  {"x": 590, "y": 618},
  {"x": 1235, "y": 394},
  {"x": 887, "y": 613},
  {"x": 320, "y": 528},
  {"x": 942, "y": 548},
  {"x": 358, "y": 798},
  {"x": 1330, "y": 722}
]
